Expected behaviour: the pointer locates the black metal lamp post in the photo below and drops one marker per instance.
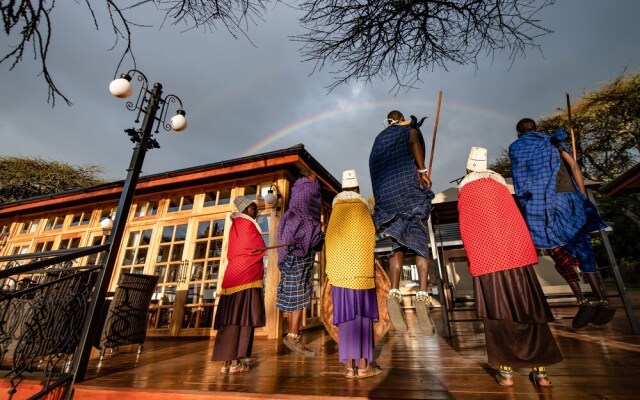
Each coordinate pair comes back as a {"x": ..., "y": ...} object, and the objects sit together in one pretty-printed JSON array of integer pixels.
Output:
[{"x": 149, "y": 102}]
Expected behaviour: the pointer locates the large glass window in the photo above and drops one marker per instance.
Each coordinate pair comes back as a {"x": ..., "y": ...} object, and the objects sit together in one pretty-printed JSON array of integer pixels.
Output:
[
  {"x": 19, "y": 250},
  {"x": 97, "y": 258},
  {"x": 171, "y": 270},
  {"x": 136, "y": 250},
  {"x": 70, "y": 243},
  {"x": 183, "y": 203},
  {"x": 264, "y": 221},
  {"x": 81, "y": 218},
  {"x": 203, "y": 274},
  {"x": 29, "y": 227},
  {"x": 146, "y": 208},
  {"x": 251, "y": 192},
  {"x": 43, "y": 246},
  {"x": 55, "y": 222},
  {"x": 217, "y": 197},
  {"x": 107, "y": 213}
]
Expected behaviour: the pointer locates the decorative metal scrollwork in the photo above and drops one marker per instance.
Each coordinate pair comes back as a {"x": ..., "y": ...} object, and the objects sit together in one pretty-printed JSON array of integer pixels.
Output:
[{"x": 40, "y": 325}]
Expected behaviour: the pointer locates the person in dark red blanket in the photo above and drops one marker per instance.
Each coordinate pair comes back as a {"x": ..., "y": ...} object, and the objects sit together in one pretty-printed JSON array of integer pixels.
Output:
[
  {"x": 508, "y": 296},
  {"x": 241, "y": 306}
]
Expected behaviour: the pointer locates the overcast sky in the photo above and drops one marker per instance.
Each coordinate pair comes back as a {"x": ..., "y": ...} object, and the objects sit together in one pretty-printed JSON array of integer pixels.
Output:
[{"x": 243, "y": 100}]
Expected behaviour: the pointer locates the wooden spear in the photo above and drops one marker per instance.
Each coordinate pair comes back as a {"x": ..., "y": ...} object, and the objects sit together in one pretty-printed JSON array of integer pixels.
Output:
[
  {"x": 573, "y": 138},
  {"x": 270, "y": 247},
  {"x": 435, "y": 132}
]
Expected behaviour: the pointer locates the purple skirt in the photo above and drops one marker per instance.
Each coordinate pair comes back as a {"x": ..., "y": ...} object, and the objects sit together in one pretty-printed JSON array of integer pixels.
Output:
[
  {"x": 354, "y": 312},
  {"x": 349, "y": 303}
]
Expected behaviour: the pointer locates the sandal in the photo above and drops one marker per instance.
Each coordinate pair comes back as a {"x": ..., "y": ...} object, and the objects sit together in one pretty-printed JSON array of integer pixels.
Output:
[
  {"x": 394, "y": 308},
  {"x": 239, "y": 367},
  {"x": 604, "y": 313},
  {"x": 224, "y": 368},
  {"x": 371, "y": 370},
  {"x": 539, "y": 378},
  {"x": 504, "y": 377},
  {"x": 423, "y": 311},
  {"x": 350, "y": 373},
  {"x": 298, "y": 346},
  {"x": 585, "y": 314}
]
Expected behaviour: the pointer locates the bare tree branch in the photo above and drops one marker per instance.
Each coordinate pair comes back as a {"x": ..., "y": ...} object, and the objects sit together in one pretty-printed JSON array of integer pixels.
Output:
[
  {"x": 360, "y": 40},
  {"x": 400, "y": 39},
  {"x": 30, "y": 21}
]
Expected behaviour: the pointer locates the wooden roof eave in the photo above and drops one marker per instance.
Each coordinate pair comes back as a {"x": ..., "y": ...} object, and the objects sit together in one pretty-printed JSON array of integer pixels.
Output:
[
  {"x": 147, "y": 184},
  {"x": 625, "y": 183}
]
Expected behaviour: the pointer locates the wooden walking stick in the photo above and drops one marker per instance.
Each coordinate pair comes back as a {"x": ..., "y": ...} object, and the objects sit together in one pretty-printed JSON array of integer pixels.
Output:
[
  {"x": 270, "y": 247},
  {"x": 435, "y": 132},
  {"x": 573, "y": 138}
]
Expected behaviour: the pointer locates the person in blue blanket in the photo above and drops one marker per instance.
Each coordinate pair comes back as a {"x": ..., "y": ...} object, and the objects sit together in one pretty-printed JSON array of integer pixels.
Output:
[
  {"x": 402, "y": 192},
  {"x": 550, "y": 188}
]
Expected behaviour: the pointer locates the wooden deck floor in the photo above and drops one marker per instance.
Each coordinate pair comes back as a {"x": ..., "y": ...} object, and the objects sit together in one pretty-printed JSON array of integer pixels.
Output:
[{"x": 600, "y": 363}]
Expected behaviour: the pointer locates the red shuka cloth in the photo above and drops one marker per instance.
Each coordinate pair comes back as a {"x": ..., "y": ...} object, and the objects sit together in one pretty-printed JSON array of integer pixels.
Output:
[
  {"x": 495, "y": 235},
  {"x": 244, "y": 266}
]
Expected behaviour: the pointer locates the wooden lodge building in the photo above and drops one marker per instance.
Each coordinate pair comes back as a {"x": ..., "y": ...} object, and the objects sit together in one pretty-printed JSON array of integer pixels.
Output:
[{"x": 174, "y": 230}]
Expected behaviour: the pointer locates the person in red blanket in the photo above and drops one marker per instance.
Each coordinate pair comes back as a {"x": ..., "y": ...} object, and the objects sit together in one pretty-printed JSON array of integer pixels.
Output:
[
  {"x": 241, "y": 306},
  {"x": 508, "y": 295}
]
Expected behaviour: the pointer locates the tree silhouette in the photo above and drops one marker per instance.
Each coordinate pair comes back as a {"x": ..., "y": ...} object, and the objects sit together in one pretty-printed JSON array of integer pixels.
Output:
[
  {"x": 362, "y": 40},
  {"x": 400, "y": 39}
]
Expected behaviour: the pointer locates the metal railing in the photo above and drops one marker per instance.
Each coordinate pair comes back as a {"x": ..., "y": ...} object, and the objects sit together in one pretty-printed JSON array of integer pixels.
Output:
[{"x": 44, "y": 305}]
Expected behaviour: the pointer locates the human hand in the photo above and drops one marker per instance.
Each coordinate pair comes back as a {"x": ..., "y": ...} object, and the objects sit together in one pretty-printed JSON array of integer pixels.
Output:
[{"x": 425, "y": 179}]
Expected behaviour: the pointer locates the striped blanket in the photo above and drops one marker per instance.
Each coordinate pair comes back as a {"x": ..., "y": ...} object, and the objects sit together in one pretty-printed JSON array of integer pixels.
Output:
[
  {"x": 554, "y": 219},
  {"x": 402, "y": 208}
]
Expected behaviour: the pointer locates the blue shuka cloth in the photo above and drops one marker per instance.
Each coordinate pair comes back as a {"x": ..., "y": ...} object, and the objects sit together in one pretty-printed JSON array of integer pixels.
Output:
[
  {"x": 554, "y": 219},
  {"x": 402, "y": 208}
]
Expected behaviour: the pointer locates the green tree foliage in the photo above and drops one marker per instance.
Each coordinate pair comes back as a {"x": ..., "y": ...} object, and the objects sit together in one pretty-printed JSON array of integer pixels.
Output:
[
  {"x": 502, "y": 164},
  {"x": 606, "y": 124},
  {"x": 22, "y": 177}
]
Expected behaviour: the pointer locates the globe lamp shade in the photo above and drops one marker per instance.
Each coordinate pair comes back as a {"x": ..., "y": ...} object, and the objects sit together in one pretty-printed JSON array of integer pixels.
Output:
[
  {"x": 270, "y": 198},
  {"x": 106, "y": 223},
  {"x": 179, "y": 122},
  {"x": 121, "y": 87}
]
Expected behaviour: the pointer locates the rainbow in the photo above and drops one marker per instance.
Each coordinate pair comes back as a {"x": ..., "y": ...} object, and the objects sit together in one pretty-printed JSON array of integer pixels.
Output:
[{"x": 361, "y": 106}]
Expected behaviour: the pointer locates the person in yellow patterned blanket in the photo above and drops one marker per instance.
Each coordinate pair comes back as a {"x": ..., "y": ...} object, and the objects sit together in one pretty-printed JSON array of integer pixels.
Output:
[{"x": 349, "y": 245}]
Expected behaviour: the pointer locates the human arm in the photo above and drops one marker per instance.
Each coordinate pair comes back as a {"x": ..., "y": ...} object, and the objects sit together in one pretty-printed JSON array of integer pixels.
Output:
[
  {"x": 574, "y": 170},
  {"x": 418, "y": 154}
]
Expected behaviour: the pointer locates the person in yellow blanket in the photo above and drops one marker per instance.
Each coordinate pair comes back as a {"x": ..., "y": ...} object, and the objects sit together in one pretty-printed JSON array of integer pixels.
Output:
[{"x": 349, "y": 246}]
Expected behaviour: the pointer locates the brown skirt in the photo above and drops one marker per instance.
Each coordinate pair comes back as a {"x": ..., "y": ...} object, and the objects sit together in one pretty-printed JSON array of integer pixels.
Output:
[
  {"x": 515, "y": 314},
  {"x": 236, "y": 318}
]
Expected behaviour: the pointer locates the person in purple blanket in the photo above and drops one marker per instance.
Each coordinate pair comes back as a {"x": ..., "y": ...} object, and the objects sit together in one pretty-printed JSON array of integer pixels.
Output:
[{"x": 300, "y": 232}]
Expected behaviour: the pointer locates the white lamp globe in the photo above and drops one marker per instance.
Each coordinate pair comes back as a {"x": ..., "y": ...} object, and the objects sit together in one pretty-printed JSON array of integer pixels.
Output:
[
  {"x": 179, "y": 122},
  {"x": 121, "y": 87},
  {"x": 270, "y": 198},
  {"x": 106, "y": 223}
]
